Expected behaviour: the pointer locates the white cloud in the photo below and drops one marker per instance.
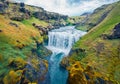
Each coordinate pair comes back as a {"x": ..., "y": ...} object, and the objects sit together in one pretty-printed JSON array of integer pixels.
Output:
[{"x": 64, "y": 7}]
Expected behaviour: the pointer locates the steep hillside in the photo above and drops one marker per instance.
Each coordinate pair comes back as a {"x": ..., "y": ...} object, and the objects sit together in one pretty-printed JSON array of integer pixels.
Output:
[
  {"x": 95, "y": 57},
  {"x": 105, "y": 27}
]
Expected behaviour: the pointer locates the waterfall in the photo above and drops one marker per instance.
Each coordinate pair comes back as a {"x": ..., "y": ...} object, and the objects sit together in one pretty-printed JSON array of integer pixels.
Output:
[{"x": 60, "y": 42}]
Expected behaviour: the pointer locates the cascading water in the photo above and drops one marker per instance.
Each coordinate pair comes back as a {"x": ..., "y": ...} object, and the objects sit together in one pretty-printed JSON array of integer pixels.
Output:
[{"x": 60, "y": 43}]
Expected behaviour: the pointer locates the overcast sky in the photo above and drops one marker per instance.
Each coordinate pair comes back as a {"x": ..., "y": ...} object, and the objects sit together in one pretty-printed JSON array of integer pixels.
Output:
[{"x": 68, "y": 7}]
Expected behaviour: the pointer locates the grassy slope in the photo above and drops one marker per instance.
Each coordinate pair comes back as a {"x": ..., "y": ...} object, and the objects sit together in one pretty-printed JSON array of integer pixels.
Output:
[
  {"x": 36, "y": 21},
  {"x": 104, "y": 27},
  {"x": 12, "y": 39},
  {"x": 75, "y": 19},
  {"x": 22, "y": 33},
  {"x": 107, "y": 63}
]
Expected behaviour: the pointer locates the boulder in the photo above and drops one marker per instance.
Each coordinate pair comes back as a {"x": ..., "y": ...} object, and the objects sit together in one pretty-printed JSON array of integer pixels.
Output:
[
  {"x": 116, "y": 31},
  {"x": 65, "y": 62},
  {"x": 1, "y": 7},
  {"x": 36, "y": 71}
]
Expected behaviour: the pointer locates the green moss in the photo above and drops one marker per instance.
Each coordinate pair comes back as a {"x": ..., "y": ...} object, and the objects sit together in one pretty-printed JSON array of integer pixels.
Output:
[
  {"x": 32, "y": 20},
  {"x": 82, "y": 28},
  {"x": 78, "y": 56},
  {"x": 13, "y": 77}
]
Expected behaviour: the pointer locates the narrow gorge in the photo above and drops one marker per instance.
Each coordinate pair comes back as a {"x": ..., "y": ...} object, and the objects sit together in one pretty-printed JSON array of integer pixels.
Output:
[{"x": 60, "y": 43}]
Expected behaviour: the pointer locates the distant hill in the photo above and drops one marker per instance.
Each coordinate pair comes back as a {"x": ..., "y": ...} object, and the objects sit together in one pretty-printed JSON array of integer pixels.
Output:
[{"x": 96, "y": 17}]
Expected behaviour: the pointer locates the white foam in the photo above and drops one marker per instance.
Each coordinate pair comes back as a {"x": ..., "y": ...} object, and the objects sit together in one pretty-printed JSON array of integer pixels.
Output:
[{"x": 61, "y": 40}]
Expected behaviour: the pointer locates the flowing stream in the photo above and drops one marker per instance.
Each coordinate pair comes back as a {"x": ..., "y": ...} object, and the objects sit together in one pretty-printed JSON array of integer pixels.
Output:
[{"x": 60, "y": 43}]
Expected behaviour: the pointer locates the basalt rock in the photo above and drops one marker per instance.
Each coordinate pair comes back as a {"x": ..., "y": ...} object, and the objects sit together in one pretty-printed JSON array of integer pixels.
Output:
[
  {"x": 65, "y": 62},
  {"x": 1, "y": 8},
  {"x": 36, "y": 71},
  {"x": 43, "y": 30},
  {"x": 116, "y": 32}
]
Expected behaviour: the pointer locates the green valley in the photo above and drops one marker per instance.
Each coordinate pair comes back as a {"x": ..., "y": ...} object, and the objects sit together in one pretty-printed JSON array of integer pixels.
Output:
[{"x": 42, "y": 47}]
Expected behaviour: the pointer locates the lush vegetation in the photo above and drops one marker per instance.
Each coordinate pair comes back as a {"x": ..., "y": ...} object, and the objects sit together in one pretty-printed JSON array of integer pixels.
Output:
[
  {"x": 94, "y": 56},
  {"x": 32, "y": 20},
  {"x": 102, "y": 54},
  {"x": 18, "y": 40}
]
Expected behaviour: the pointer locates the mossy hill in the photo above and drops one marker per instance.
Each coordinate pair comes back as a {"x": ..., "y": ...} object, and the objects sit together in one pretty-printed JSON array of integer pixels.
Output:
[{"x": 95, "y": 57}]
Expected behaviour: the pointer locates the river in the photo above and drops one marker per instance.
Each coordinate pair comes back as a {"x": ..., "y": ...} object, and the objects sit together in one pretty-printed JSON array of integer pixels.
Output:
[{"x": 60, "y": 43}]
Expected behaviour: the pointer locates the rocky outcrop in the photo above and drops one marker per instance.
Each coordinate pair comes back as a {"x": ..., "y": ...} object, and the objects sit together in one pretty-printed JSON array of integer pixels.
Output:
[
  {"x": 20, "y": 13},
  {"x": 33, "y": 69},
  {"x": 26, "y": 72},
  {"x": 3, "y": 6},
  {"x": 65, "y": 62},
  {"x": 44, "y": 15},
  {"x": 36, "y": 71},
  {"x": 59, "y": 20},
  {"x": 116, "y": 32},
  {"x": 43, "y": 30}
]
